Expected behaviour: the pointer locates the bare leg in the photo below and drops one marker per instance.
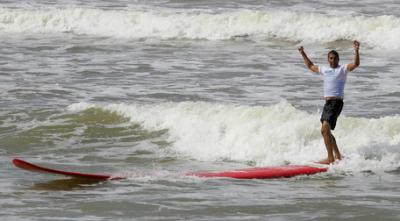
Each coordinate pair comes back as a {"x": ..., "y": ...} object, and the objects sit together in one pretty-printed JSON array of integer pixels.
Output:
[
  {"x": 329, "y": 142},
  {"x": 338, "y": 155}
]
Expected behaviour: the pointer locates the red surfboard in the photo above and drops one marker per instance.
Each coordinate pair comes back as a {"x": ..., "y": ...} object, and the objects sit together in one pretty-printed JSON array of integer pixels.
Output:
[
  {"x": 265, "y": 172},
  {"x": 249, "y": 173},
  {"x": 41, "y": 169}
]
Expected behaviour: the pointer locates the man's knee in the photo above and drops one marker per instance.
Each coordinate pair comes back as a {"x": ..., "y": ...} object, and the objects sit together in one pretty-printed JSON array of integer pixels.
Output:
[{"x": 325, "y": 129}]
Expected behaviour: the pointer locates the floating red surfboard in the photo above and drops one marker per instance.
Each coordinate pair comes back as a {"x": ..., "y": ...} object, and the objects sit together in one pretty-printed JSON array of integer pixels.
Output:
[
  {"x": 249, "y": 173},
  {"x": 36, "y": 168}
]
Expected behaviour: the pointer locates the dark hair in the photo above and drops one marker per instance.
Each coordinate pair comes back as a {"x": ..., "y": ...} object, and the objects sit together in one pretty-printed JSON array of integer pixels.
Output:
[{"x": 334, "y": 52}]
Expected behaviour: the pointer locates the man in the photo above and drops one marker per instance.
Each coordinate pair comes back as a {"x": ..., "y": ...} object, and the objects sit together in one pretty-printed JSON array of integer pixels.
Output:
[{"x": 334, "y": 81}]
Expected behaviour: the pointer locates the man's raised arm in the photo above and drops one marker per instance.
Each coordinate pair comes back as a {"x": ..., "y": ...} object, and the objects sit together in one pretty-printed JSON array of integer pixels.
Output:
[
  {"x": 307, "y": 61},
  {"x": 356, "y": 62}
]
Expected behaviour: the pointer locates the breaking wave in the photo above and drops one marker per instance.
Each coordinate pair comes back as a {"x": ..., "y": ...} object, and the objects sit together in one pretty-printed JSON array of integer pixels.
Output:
[
  {"x": 266, "y": 135},
  {"x": 380, "y": 31}
]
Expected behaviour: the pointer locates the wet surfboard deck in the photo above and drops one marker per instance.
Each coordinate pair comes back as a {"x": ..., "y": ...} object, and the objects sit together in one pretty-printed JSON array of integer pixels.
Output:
[{"x": 270, "y": 172}]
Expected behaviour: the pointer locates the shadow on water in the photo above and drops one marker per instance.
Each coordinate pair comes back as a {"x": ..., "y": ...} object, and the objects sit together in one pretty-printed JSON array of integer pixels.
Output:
[
  {"x": 395, "y": 171},
  {"x": 67, "y": 184}
]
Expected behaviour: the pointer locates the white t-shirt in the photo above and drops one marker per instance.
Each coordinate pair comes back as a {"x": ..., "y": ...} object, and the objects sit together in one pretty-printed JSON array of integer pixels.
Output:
[{"x": 334, "y": 80}]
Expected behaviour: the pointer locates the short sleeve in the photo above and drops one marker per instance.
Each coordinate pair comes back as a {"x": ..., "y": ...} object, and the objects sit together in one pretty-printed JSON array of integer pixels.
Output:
[
  {"x": 320, "y": 70},
  {"x": 345, "y": 68}
]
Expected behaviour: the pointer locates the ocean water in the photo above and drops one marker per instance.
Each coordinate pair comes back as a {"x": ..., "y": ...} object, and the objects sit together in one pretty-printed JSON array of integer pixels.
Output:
[{"x": 155, "y": 89}]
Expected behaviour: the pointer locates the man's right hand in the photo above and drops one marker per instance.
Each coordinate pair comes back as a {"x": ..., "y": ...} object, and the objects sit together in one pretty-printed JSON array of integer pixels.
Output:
[
  {"x": 301, "y": 49},
  {"x": 356, "y": 45}
]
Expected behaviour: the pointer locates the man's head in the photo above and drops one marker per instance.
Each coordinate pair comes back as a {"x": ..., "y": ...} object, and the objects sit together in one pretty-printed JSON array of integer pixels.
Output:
[{"x": 333, "y": 59}]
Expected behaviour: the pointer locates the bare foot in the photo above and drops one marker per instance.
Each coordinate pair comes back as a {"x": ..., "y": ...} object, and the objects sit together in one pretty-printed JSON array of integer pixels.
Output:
[
  {"x": 338, "y": 157},
  {"x": 325, "y": 161}
]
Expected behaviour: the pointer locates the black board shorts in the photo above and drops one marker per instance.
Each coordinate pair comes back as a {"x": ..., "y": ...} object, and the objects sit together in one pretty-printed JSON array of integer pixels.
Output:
[{"x": 331, "y": 112}]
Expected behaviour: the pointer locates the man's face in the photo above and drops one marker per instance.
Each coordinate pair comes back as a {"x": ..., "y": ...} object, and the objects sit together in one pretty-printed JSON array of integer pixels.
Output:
[{"x": 333, "y": 60}]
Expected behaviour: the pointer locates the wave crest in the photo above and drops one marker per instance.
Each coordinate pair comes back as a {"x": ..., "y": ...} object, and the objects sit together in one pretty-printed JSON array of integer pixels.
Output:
[{"x": 380, "y": 31}]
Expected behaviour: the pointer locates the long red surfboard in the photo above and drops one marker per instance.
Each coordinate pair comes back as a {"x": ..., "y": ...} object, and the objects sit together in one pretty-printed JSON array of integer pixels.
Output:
[
  {"x": 249, "y": 173},
  {"x": 265, "y": 172}
]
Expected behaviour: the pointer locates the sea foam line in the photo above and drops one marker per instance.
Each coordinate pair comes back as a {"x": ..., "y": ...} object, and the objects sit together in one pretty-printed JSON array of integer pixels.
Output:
[{"x": 379, "y": 31}]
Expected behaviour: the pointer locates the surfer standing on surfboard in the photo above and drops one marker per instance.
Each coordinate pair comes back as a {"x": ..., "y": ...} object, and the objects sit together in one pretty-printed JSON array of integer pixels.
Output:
[{"x": 335, "y": 76}]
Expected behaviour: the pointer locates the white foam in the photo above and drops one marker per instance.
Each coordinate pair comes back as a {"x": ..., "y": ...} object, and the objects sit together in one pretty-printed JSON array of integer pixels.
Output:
[
  {"x": 266, "y": 135},
  {"x": 380, "y": 31}
]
